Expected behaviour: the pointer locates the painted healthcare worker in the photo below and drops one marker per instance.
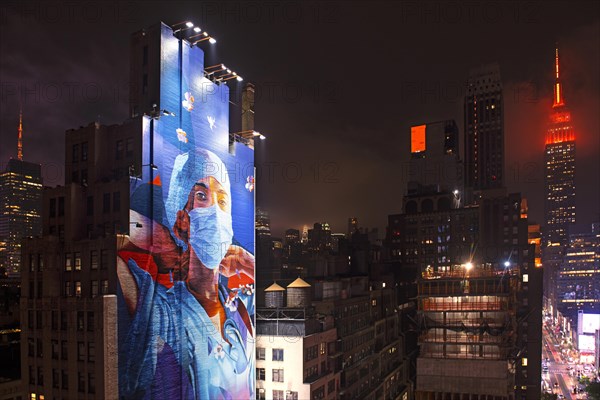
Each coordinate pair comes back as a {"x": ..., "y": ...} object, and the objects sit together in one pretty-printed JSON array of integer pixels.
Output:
[{"x": 194, "y": 338}]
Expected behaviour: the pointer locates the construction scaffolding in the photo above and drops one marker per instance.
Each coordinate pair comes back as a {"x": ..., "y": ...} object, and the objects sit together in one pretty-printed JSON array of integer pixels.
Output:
[{"x": 467, "y": 317}]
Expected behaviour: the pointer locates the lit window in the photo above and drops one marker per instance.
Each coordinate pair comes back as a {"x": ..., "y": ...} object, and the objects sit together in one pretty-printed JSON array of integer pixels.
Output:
[
  {"x": 525, "y": 277},
  {"x": 524, "y": 361},
  {"x": 77, "y": 261}
]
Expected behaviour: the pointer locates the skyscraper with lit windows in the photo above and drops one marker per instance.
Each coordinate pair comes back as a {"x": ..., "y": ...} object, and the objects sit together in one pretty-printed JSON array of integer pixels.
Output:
[
  {"x": 559, "y": 188},
  {"x": 20, "y": 208},
  {"x": 559, "y": 168},
  {"x": 484, "y": 131}
]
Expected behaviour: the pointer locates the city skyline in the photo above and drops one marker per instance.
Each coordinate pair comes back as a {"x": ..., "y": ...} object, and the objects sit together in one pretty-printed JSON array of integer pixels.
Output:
[
  {"x": 178, "y": 254},
  {"x": 341, "y": 114}
]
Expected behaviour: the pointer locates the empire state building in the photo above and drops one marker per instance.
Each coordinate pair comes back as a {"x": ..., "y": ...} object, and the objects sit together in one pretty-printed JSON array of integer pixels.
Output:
[{"x": 559, "y": 169}]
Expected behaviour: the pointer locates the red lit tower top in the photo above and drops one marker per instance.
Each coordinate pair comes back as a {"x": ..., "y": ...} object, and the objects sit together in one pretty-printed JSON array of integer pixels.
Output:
[{"x": 560, "y": 129}]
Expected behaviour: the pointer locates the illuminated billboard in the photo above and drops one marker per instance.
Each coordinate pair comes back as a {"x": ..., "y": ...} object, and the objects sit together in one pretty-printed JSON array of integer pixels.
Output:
[
  {"x": 186, "y": 270},
  {"x": 417, "y": 138},
  {"x": 586, "y": 343},
  {"x": 590, "y": 323}
]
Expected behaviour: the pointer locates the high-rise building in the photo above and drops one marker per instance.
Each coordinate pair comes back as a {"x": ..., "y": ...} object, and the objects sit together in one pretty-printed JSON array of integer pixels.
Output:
[
  {"x": 435, "y": 160},
  {"x": 336, "y": 239},
  {"x": 263, "y": 222},
  {"x": 319, "y": 237},
  {"x": 265, "y": 271},
  {"x": 149, "y": 210},
  {"x": 20, "y": 208},
  {"x": 304, "y": 238},
  {"x": 476, "y": 290},
  {"x": 559, "y": 168},
  {"x": 352, "y": 226},
  {"x": 293, "y": 247},
  {"x": 559, "y": 187},
  {"x": 484, "y": 131},
  {"x": 578, "y": 285}
]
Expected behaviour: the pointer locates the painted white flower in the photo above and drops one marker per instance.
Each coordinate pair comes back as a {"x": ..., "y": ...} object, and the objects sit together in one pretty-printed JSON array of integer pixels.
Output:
[
  {"x": 250, "y": 183},
  {"x": 188, "y": 103},
  {"x": 181, "y": 135},
  {"x": 211, "y": 121},
  {"x": 231, "y": 304},
  {"x": 247, "y": 289}
]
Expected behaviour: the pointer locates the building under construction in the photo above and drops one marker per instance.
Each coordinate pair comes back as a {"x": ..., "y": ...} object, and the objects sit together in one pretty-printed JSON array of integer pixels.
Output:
[
  {"x": 468, "y": 332},
  {"x": 479, "y": 299}
]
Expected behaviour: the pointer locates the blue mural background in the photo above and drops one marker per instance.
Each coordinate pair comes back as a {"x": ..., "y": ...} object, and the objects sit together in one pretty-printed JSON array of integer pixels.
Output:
[{"x": 169, "y": 346}]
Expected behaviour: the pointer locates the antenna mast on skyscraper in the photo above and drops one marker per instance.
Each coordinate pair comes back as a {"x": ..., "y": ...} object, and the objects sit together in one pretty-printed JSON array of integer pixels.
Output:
[{"x": 20, "y": 141}]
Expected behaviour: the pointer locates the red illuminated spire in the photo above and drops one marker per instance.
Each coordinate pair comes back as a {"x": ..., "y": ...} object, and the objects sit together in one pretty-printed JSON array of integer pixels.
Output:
[
  {"x": 560, "y": 129},
  {"x": 558, "y": 95},
  {"x": 20, "y": 142}
]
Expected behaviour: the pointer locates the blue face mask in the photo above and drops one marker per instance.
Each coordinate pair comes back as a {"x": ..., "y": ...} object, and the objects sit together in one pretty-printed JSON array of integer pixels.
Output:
[{"x": 210, "y": 234}]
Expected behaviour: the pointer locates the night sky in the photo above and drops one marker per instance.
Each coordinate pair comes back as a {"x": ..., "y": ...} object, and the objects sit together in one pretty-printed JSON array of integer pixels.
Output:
[{"x": 338, "y": 87}]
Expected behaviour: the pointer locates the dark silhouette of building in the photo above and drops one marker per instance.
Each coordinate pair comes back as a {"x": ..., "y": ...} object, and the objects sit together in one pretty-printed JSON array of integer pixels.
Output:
[{"x": 484, "y": 131}]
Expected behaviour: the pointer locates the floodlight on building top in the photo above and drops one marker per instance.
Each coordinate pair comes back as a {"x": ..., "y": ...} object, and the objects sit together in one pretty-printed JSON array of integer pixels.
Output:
[
  {"x": 507, "y": 264},
  {"x": 215, "y": 67},
  {"x": 210, "y": 39},
  {"x": 228, "y": 75},
  {"x": 199, "y": 34},
  {"x": 249, "y": 134},
  {"x": 197, "y": 29},
  {"x": 469, "y": 266},
  {"x": 183, "y": 26},
  {"x": 156, "y": 114}
]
